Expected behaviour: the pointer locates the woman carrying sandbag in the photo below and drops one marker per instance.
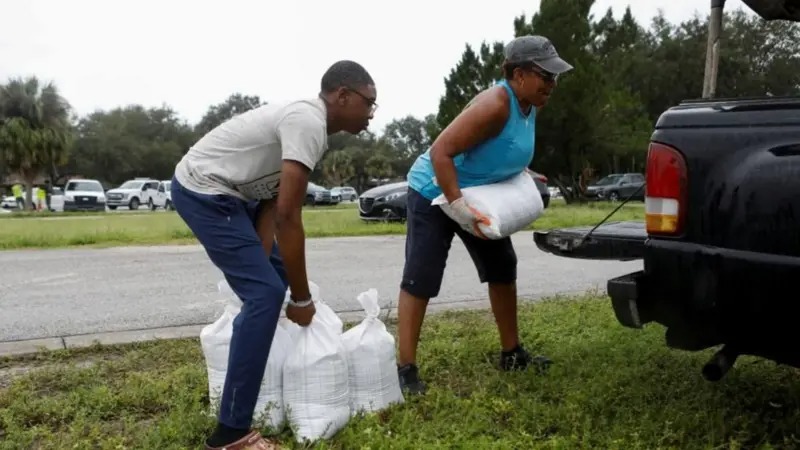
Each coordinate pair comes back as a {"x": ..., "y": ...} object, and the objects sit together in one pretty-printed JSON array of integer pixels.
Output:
[{"x": 489, "y": 142}]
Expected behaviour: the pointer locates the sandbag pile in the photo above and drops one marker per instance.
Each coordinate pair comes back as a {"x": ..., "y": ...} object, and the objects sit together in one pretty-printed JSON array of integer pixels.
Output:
[
  {"x": 317, "y": 377},
  {"x": 511, "y": 205}
]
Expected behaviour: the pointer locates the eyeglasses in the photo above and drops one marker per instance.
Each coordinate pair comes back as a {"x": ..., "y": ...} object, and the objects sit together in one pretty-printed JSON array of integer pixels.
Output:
[
  {"x": 370, "y": 102},
  {"x": 545, "y": 75}
]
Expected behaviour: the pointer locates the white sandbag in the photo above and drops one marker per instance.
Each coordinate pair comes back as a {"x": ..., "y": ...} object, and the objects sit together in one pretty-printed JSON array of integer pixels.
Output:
[
  {"x": 511, "y": 205},
  {"x": 374, "y": 382},
  {"x": 215, "y": 340},
  {"x": 315, "y": 375},
  {"x": 324, "y": 313}
]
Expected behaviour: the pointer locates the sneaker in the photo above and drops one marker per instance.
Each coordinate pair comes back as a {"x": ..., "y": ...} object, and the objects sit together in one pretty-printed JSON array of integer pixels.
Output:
[
  {"x": 409, "y": 379},
  {"x": 252, "y": 441},
  {"x": 520, "y": 359}
]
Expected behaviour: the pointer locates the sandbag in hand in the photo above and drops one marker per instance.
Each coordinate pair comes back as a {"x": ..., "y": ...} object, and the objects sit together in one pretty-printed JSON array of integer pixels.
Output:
[
  {"x": 301, "y": 315},
  {"x": 467, "y": 217}
]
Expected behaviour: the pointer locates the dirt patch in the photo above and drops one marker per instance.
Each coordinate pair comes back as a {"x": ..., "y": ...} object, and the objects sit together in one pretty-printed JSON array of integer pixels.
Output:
[
  {"x": 7, "y": 374},
  {"x": 13, "y": 370}
]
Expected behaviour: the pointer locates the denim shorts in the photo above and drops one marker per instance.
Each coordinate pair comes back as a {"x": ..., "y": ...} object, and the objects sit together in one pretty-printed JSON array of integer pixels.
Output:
[{"x": 429, "y": 235}]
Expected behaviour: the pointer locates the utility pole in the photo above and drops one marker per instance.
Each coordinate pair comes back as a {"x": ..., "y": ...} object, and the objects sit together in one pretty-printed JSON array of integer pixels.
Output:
[{"x": 712, "y": 49}]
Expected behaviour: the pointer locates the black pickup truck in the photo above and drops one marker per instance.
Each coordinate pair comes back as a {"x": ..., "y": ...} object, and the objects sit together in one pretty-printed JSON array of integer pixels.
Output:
[
  {"x": 721, "y": 240},
  {"x": 721, "y": 237}
]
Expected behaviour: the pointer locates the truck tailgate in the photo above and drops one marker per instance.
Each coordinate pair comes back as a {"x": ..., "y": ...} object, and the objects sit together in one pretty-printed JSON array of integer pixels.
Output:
[{"x": 623, "y": 241}]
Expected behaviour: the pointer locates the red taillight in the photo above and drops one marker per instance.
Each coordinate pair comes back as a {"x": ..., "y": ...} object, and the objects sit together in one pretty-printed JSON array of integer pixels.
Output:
[{"x": 666, "y": 190}]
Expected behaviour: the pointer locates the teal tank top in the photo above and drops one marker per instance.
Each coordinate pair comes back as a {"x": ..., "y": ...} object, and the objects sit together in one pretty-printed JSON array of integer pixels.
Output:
[{"x": 496, "y": 159}]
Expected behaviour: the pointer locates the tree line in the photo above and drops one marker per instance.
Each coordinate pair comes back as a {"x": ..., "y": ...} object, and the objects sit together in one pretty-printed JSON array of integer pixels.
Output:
[{"x": 599, "y": 120}]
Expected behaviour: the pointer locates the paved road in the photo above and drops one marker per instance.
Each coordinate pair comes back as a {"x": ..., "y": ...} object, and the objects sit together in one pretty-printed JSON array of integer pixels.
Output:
[{"x": 51, "y": 293}]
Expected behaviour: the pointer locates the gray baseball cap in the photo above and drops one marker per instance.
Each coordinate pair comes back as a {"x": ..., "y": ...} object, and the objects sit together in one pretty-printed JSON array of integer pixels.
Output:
[{"x": 538, "y": 50}]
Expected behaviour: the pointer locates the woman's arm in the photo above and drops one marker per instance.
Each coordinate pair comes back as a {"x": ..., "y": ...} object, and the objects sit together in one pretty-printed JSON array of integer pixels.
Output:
[{"x": 483, "y": 118}]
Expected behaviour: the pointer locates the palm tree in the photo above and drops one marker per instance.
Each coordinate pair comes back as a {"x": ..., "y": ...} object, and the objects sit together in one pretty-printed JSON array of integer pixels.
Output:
[
  {"x": 337, "y": 168},
  {"x": 35, "y": 130}
]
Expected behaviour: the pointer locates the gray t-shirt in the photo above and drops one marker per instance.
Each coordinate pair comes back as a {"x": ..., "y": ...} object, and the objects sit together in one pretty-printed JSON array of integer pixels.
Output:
[{"x": 243, "y": 156}]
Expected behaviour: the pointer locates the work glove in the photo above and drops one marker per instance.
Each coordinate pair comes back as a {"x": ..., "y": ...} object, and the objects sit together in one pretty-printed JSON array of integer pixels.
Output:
[{"x": 467, "y": 217}]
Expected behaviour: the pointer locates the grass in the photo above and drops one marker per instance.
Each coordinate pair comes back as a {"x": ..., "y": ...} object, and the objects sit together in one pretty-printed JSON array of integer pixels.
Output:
[
  {"x": 609, "y": 388},
  {"x": 43, "y": 230},
  {"x": 27, "y": 214}
]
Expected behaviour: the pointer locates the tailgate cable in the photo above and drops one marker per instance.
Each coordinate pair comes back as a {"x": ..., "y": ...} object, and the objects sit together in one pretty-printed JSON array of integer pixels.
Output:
[{"x": 583, "y": 241}]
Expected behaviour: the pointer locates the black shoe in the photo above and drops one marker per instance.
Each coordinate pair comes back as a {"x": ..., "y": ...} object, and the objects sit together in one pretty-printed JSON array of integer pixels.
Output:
[
  {"x": 519, "y": 359},
  {"x": 409, "y": 380}
]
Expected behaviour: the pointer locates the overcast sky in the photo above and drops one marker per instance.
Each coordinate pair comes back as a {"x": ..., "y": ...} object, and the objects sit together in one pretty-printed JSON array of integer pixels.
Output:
[{"x": 191, "y": 54}]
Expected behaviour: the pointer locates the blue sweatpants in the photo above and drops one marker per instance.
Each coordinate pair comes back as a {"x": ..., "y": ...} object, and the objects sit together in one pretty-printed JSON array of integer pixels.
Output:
[{"x": 225, "y": 226}]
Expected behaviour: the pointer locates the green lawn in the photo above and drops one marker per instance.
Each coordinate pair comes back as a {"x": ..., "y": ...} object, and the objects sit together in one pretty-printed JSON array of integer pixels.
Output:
[
  {"x": 112, "y": 229},
  {"x": 609, "y": 388},
  {"x": 15, "y": 214}
]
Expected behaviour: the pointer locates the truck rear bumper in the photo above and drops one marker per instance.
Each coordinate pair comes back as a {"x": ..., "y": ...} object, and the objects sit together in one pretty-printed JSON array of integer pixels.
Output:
[
  {"x": 624, "y": 293},
  {"x": 711, "y": 276},
  {"x": 707, "y": 296},
  {"x": 703, "y": 295}
]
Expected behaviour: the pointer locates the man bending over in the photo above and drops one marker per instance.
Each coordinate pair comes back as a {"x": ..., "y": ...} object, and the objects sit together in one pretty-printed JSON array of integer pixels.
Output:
[{"x": 240, "y": 189}]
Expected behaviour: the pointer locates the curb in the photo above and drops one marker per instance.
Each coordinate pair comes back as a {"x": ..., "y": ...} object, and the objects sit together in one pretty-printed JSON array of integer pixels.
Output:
[
  {"x": 33, "y": 346},
  {"x": 30, "y": 346}
]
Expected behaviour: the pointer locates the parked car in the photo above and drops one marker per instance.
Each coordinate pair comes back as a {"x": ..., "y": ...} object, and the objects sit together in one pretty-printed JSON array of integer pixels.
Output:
[
  {"x": 318, "y": 195},
  {"x": 384, "y": 203},
  {"x": 56, "y": 200},
  {"x": 84, "y": 195},
  {"x": 336, "y": 197},
  {"x": 719, "y": 244},
  {"x": 541, "y": 184},
  {"x": 133, "y": 193},
  {"x": 617, "y": 186},
  {"x": 9, "y": 202},
  {"x": 345, "y": 193},
  {"x": 163, "y": 196}
]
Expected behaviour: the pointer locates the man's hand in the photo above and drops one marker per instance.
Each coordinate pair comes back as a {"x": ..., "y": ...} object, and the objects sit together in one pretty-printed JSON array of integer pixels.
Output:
[
  {"x": 301, "y": 315},
  {"x": 468, "y": 217}
]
